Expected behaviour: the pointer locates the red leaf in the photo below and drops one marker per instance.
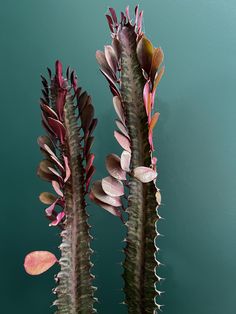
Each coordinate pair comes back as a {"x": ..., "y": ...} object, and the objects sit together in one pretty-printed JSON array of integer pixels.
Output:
[
  {"x": 113, "y": 14},
  {"x": 112, "y": 186},
  {"x": 58, "y": 128},
  {"x": 122, "y": 140},
  {"x": 89, "y": 177},
  {"x": 38, "y": 262},
  {"x": 59, "y": 72},
  {"x": 114, "y": 168}
]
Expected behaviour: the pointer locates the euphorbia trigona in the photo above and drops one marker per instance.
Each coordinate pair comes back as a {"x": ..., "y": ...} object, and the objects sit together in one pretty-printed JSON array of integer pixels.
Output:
[
  {"x": 131, "y": 66},
  {"x": 68, "y": 165}
]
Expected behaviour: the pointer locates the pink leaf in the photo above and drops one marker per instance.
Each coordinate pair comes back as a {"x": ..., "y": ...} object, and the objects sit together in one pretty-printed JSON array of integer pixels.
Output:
[
  {"x": 147, "y": 97},
  {"x": 89, "y": 162},
  {"x": 48, "y": 110},
  {"x": 89, "y": 177},
  {"x": 110, "y": 22},
  {"x": 125, "y": 161},
  {"x": 122, "y": 128},
  {"x": 60, "y": 102},
  {"x": 49, "y": 210},
  {"x": 145, "y": 174},
  {"x": 127, "y": 13},
  {"x": 111, "y": 58},
  {"x": 119, "y": 109},
  {"x": 112, "y": 186},
  {"x": 42, "y": 140},
  {"x": 56, "y": 187},
  {"x": 58, "y": 219},
  {"x": 153, "y": 121},
  {"x": 158, "y": 78},
  {"x": 122, "y": 140},
  {"x": 103, "y": 197},
  {"x": 38, "y": 262},
  {"x": 68, "y": 172},
  {"x": 114, "y": 168},
  {"x": 111, "y": 209}
]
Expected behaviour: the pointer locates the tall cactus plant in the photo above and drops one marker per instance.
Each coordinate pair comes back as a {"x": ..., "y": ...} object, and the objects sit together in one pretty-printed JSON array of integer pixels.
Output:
[
  {"x": 132, "y": 67},
  {"x": 68, "y": 165}
]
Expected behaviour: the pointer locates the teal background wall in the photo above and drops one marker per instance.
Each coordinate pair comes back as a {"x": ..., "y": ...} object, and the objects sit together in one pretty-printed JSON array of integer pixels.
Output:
[{"x": 195, "y": 141}]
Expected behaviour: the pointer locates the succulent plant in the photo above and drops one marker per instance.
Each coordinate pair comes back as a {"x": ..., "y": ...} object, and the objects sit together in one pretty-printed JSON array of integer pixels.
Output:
[
  {"x": 132, "y": 67},
  {"x": 68, "y": 118}
]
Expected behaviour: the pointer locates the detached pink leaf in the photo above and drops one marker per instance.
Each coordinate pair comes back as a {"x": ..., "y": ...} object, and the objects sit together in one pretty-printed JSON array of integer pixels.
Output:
[
  {"x": 125, "y": 161},
  {"x": 123, "y": 141},
  {"x": 114, "y": 168},
  {"x": 38, "y": 262},
  {"x": 145, "y": 174},
  {"x": 103, "y": 197},
  {"x": 112, "y": 186}
]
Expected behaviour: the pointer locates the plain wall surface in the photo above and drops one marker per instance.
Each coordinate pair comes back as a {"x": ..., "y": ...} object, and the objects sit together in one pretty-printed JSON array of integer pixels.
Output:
[{"x": 195, "y": 141}]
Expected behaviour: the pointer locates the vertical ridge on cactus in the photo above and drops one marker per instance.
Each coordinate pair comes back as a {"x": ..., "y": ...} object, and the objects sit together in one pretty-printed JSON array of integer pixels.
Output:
[
  {"x": 68, "y": 117},
  {"x": 132, "y": 67}
]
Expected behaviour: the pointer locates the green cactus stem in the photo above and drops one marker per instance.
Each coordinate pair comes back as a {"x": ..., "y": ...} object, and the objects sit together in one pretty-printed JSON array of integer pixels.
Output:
[
  {"x": 132, "y": 67},
  {"x": 69, "y": 167}
]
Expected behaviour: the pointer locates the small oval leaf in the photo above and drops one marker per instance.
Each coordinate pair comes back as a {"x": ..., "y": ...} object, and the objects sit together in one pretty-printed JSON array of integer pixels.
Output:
[
  {"x": 145, "y": 174},
  {"x": 123, "y": 141},
  {"x": 103, "y": 197},
  {"x": 111, "y": 209},
  {"x": 112, "y": 186},
  {"x": 38, "y": 262},
  {"x": 47, "y": 198},
  {"x": 125, "y": 160},
  {"x": 114, "y": 168}
]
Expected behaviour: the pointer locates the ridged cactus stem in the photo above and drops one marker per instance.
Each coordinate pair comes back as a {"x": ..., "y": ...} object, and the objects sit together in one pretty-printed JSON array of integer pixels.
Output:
[
  {"x": 131, "y": 66},
  {"x": 76, "y": 286},
  {"x": 139, "y": 264},
  {"x": 68, "y": 118}
]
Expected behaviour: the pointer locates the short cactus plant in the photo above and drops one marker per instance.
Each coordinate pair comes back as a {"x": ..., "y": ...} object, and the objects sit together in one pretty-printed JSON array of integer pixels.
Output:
[
  {"x": 68, "y": 118},
  {"x": 132, "y": 67}
]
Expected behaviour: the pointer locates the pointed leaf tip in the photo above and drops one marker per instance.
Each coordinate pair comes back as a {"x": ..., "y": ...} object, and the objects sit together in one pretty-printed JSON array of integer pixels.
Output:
[
  {"x": 38, "y": 262},
  {"x": 145, "y": 174}
]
